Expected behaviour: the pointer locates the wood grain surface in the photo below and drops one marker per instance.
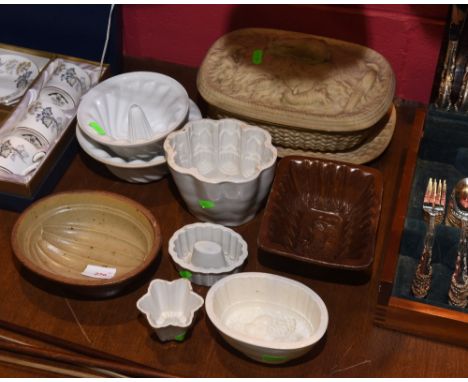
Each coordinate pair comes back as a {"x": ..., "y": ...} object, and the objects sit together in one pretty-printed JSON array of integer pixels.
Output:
[{"x": 352, "y": 347}]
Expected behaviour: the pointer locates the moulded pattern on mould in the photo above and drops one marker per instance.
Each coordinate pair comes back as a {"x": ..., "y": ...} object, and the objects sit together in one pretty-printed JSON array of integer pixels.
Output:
[
  {"x": 61, "y": 236},
  {"x": 134, "y": 170},
  {"x": 306, "y": 81},
  {"x": 191, "y": 249},
  {"x": 226, "y": 163},
  {"x": 269, "y": 318},
  {"x": 134, "y": 112},
  {"x": 323, "y": 212},
  {"x": 170, "y": 308}
]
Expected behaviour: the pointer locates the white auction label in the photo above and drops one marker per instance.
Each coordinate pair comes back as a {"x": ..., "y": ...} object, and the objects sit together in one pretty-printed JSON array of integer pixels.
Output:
[{"x": 98, "y": 272}]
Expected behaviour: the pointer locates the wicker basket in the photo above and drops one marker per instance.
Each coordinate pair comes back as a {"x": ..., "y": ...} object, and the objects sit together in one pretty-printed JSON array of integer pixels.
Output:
[{"x": 309, "y": 92}]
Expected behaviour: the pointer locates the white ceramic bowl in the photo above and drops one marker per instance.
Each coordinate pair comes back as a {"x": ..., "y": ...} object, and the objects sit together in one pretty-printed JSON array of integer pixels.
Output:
[
  {"x": 170, "y": 308},
  {"x": 107, "y": 113},
  {"x": 222, "y": 168},
  {"x": 269, "y": 318},
  {"x": 205, "y": 252},
  {"x": 134, "y": 171}
]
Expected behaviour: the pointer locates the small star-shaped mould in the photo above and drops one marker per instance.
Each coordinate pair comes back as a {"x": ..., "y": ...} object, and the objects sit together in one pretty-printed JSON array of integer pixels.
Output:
[{"x": 170, "y": 307}]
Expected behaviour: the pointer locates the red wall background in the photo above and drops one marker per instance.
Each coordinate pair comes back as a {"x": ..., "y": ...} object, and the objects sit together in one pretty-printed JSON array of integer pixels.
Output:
[{"x": 409, "y": 36}]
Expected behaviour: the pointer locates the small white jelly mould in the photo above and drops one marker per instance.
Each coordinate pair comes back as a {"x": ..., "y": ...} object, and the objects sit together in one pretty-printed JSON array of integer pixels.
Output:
[
  {"x": 170, "y": 308},
  {"x": 136, "y": 170},
  {"x": 269, "y": 318},
  {"x": 133, "y": 112},
  {"x": 222, "y": 168},
  {"x": 205, "y": 252}
]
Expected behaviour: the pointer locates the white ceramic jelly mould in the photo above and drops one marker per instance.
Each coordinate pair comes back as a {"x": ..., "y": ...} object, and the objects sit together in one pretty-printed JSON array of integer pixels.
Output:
[
  {"x": 269, "y": 318},
  {"x": 217, "y": 251},
  {"x": 136, "y": 170},
  {"x": 132, "y": 113},
  {"x": 170, "y": 307},
  {"x": 222, "y": 168}
]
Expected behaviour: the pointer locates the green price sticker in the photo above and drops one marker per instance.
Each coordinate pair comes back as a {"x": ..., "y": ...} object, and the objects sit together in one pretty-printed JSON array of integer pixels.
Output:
[
  {"x": 97, "y": 128},
  {"x": 185, "y": 274},
  {"x": 257, "y": 56},
  {"x": 273, "y": 358},
  {"x": 205, "y": 203},
  {"x": 180, "y": 337}
]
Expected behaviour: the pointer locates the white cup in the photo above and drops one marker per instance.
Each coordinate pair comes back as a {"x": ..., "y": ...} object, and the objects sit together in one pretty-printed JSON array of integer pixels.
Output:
[
  {"x": 18, "y": 156},
  {"x": 70, "y": 81},
  {"x": 57, "y": 97},
  {"x": 44, "y": 120}
]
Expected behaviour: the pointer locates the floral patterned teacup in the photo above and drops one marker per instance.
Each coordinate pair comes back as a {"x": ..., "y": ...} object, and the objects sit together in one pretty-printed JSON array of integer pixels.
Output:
[
  {"x": 18, "y": 156},
  {"x": 57, "y": 97},
  {"x": 69, "y": 79},
  {"x": 44, "y": 120}
]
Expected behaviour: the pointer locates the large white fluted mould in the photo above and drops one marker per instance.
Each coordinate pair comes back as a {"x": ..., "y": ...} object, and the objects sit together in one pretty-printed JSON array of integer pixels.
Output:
[
  {"x": 107, "y": 113},
  {"x": 223, "y": 169}
]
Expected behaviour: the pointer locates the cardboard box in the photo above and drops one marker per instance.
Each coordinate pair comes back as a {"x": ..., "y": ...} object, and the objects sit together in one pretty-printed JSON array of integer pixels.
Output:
[{"x": 16, "y": 193}]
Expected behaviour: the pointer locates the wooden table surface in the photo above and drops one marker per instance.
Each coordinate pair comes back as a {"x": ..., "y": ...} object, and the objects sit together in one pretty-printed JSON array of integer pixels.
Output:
[{"x": 352, "y": 347}]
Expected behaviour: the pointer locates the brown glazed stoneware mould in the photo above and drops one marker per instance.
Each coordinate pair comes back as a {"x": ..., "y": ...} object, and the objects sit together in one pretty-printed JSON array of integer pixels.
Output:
[
  {"x": 323, "y": 212},
  {"x": 60, "y": 235}
]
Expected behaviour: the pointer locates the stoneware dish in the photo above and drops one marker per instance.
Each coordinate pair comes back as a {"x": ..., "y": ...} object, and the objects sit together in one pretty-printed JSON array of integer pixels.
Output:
[
  {"x": 269, "y": 318},
  {"x": 170, "y": 307},
  {"x": 136, "y": 170},
  {"x": 223, "y": 169},
  {"x": 92, "y": 242},
  {"x": 205, "y": 252},
  {"x": 323, "y": 212},
  {"x": 132, "y": 113}
]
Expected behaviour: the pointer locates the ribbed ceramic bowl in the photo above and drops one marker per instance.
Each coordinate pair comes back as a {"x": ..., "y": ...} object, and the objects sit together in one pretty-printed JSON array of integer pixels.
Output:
[
  {"x": 136, "y": 170},
  {"x": 104, "y": 114},
  {"x": 269, "y": 318},
  {"x": 223, "y": 169},
  {"x": 64, "y": 237},
  {"x": 191, "y": 249}
]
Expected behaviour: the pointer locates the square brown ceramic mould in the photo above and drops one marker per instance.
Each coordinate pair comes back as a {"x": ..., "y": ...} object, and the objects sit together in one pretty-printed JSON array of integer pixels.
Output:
[{"x": 323, "y": 212}]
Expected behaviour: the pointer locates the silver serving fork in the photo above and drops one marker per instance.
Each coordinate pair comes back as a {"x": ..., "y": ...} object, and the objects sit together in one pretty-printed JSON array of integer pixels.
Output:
[{"x": 434, "y": 207}]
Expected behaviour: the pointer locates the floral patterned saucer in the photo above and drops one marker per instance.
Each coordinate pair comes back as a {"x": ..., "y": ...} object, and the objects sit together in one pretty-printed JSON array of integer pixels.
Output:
[{"x": 16, "y": 73}]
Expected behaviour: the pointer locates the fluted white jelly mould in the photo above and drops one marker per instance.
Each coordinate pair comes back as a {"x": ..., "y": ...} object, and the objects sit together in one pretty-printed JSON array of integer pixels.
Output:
[
  {"x": 133, "y": 112},
  {"x": 136, "y": 170},
  {"x": 205, "y": 252},
  {"x": 170, "y": 307},
  {"x": 269, "y": 318},
  {"x": 222, "y": 168}
]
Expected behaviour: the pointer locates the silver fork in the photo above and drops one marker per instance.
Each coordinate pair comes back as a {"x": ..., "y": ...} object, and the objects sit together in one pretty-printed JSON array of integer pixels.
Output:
[{"x": 434, "y": 206}]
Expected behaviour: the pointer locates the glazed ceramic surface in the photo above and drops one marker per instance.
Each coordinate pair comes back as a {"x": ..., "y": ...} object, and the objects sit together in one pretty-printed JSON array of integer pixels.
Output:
[
  {"x": 223, "y": 169},
  {"x": 170, "y": 308},
  {"x": 18, "y": 155},
  {"x": 16, "y": 73},
  {"x": 61, "y": 236},
  {"x": 45, "y": 120},
  {"x": 134, "y": 171},
  {"x": 132, "y": 113},
  {"x": 205, "y": 252},
  {"x": 300, "y": 80},
  {"x": 269, "y": 318},
  {"x": 323, "y": 212}
]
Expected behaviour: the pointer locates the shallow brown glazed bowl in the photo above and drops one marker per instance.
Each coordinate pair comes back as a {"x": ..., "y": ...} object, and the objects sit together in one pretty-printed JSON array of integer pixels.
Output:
[
  {"x": 323, "y": 212},
  {"x": 59, "y": 236}
]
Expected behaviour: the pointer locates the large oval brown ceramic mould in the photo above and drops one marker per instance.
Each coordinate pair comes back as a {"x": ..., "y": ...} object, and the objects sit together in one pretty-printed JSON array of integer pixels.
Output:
[
  {"x": 323, "y": 212},
  {"x": 60, "y": 235}
]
